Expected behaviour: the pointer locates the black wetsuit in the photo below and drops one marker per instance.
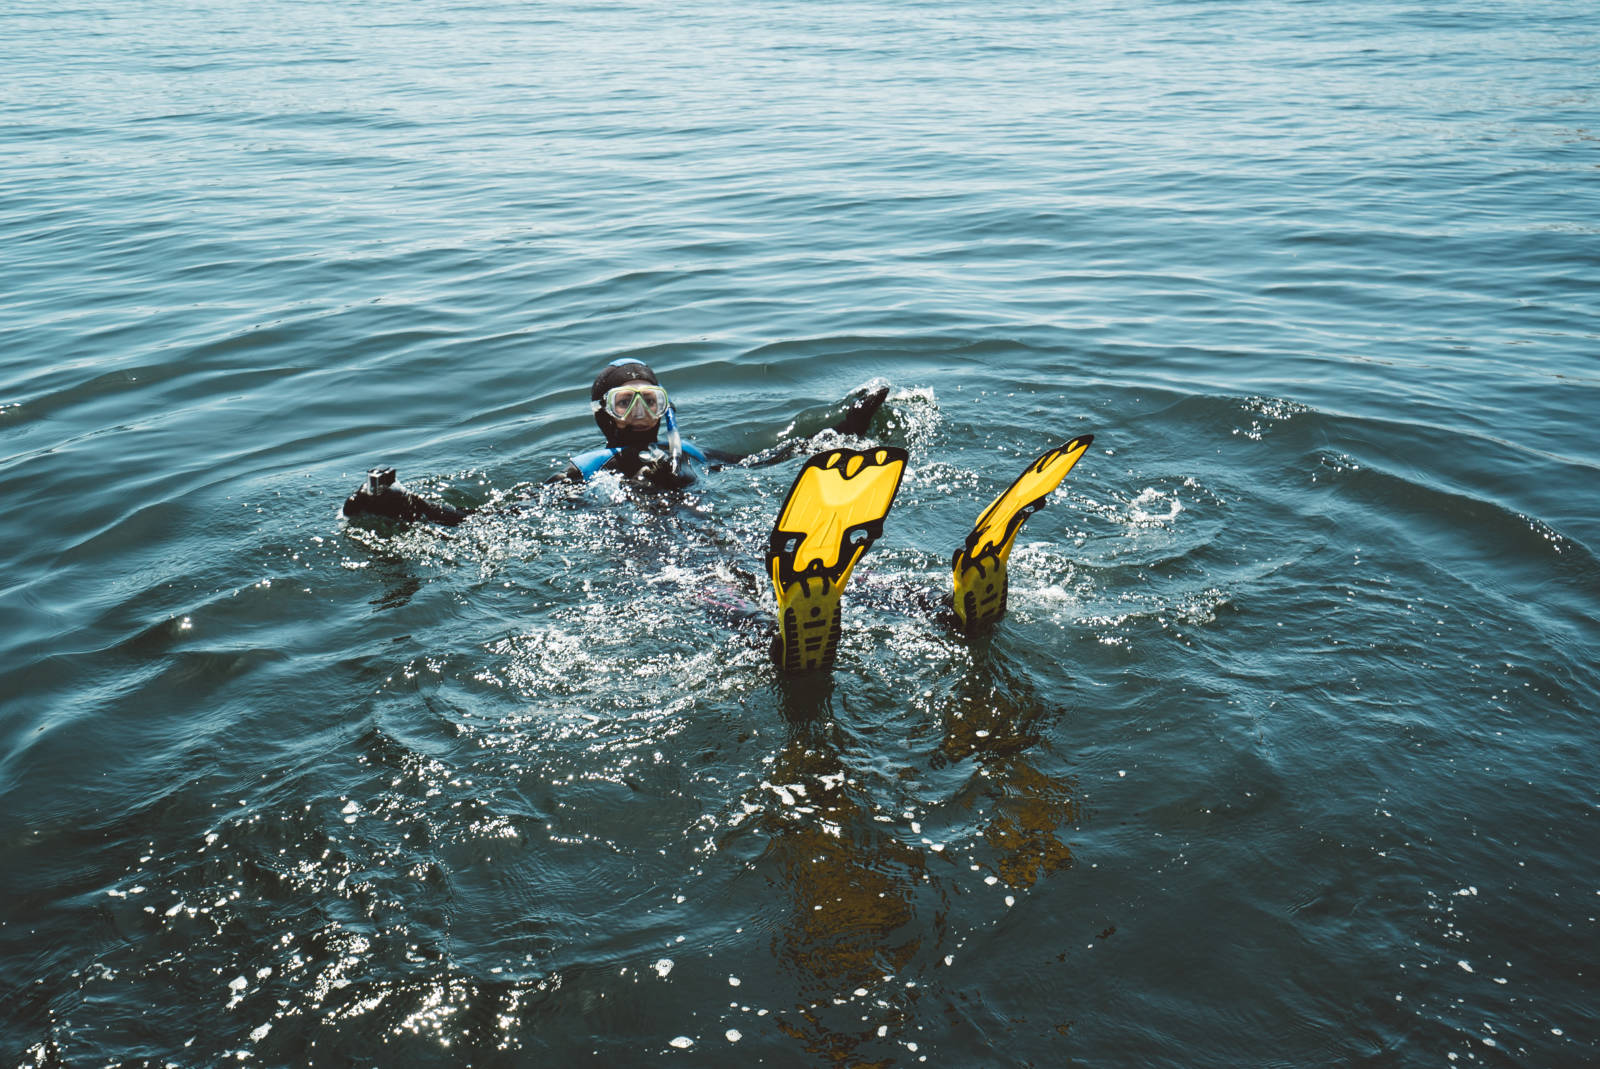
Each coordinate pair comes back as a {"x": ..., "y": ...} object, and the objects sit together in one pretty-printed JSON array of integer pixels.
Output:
[{"x": 637, "y": 456}]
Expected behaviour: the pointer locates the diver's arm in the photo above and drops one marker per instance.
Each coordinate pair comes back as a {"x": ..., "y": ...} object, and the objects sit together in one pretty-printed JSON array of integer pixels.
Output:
[{"x": 856, "y": 421}]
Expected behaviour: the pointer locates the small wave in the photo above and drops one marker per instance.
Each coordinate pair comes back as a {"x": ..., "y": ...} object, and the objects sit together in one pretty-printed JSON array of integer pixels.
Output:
[{"x": 1266, "y": 413}]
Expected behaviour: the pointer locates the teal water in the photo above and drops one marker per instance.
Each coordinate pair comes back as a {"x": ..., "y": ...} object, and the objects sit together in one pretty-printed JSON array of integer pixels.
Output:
[{"x": 1285, "y": 755}]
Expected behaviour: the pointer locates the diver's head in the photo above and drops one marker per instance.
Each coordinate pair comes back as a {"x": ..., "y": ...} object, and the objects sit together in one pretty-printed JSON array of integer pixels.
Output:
[{"x": 628, "y": 403}]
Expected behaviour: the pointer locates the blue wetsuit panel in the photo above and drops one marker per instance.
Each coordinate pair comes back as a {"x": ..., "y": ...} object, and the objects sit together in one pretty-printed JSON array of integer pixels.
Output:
[{"x": 595, "y": 459}]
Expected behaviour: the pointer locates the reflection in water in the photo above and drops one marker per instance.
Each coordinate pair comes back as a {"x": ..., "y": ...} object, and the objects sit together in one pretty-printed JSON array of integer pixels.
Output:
[
  {"x": 868, "y": 925},
  {"x": 852, "y": 886},
  {"x": 1024, "y": 830},
  {"x": 387, "y": 561},
  {"x": 995, "y": 718}
]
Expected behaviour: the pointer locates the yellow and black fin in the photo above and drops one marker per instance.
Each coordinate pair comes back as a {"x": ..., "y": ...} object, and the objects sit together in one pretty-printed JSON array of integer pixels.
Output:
[
  {"x": 980, "y": 565},
  {"x": 834, "y": 511}
]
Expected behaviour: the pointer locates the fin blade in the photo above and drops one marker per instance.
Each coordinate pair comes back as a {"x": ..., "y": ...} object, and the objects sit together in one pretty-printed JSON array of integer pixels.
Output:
[
  {"x": 981, "y": 582},
  {"x": 833, "y": 514}
]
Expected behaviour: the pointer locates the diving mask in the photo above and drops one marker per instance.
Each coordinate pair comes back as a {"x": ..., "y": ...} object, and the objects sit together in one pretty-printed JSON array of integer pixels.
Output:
[{"x": 620, "y": 402}]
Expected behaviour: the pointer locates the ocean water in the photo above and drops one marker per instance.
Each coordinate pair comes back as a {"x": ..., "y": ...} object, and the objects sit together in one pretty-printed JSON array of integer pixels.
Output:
[{"x": 1286, "y": 754}]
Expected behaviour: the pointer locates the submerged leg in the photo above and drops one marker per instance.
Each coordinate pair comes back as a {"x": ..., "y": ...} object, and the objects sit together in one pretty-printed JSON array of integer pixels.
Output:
[{"x": 980, "y": 565}]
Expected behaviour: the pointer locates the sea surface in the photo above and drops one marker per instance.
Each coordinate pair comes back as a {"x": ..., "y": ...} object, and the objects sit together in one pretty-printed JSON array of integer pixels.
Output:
[{"x": 1287, "y": 753}]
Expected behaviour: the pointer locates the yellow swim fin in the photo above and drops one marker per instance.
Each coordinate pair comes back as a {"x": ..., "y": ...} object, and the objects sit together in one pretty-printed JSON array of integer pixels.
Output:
[
  {"x": 834, "y": 511},
  {"x": 980, "y": 565}
]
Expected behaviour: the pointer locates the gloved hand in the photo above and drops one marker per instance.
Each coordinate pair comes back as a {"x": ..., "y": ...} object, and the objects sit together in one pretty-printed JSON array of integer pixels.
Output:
[
  {"x": 656, "y": 470},
  {"x": 860, "y": 408},
  {"x": 380, "y": 495}
]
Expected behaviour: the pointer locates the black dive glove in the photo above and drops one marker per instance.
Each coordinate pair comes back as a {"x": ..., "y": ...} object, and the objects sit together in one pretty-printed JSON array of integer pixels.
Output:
[
  {"x": 381, "y": 496},
  {"x": 656, "y": 470},
  {"x": 859, "y": 409}
]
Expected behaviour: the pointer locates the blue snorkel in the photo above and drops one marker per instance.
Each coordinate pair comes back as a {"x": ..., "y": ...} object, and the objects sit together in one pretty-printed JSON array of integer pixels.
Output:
[{"x": 674, "y": 439}]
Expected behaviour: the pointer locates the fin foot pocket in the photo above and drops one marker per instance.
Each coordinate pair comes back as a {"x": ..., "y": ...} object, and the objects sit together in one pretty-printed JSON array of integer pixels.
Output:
[
  {"x": 979, "y": 567},
  {"x": 833, "y": 514}
]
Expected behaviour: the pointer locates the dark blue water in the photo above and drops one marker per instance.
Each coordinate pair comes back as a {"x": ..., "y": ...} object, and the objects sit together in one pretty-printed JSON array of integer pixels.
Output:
[{"x": 1285, "y": 755}]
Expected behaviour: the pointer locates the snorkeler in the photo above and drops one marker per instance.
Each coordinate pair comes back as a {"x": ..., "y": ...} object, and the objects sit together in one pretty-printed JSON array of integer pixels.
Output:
[
  {"x": 631, "y": 408},
  {"x": 634, "y": 413}
]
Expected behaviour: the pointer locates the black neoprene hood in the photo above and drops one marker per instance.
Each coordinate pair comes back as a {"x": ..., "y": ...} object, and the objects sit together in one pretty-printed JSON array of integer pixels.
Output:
[{"x": 615, "y": 374}]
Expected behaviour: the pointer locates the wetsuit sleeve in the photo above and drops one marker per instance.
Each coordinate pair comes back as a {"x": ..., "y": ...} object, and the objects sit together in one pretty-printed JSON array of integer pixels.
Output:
[{"x": 857, "y": 420}]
